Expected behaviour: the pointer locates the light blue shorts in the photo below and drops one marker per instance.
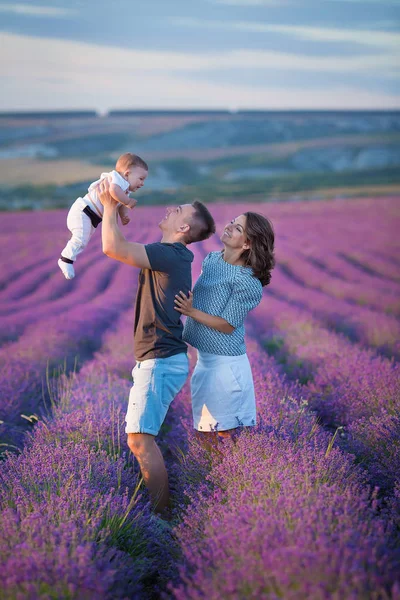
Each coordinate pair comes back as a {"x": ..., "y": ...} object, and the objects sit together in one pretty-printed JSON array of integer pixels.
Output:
[{"x": 156, "y": 382}]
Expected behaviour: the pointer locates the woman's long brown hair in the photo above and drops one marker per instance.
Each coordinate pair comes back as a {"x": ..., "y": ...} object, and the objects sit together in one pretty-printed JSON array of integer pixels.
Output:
[{"x": 261, "y": 237}]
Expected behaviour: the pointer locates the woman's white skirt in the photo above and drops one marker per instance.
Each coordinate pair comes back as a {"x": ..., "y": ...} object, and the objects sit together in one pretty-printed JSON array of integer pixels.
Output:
[{"x": 222, "y": 392}]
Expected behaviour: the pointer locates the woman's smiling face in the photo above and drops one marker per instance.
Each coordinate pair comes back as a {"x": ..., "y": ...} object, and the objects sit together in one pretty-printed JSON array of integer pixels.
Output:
[{"x": 234, "y": 234}]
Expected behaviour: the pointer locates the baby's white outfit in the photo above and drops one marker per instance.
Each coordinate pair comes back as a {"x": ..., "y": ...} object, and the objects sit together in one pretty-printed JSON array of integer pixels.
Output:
[
  {"x": 92, "y": 197},
  {"x": 83, "y": 217}
]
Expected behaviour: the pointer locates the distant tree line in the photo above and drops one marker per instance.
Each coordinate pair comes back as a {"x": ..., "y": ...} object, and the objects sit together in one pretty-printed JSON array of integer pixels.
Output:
[{"x": 84, "y": 114}]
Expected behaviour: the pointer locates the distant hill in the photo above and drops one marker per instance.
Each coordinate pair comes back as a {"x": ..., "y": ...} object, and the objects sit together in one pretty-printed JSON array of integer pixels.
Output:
[
  {"x": 53, "y": 114},
  {"x": 213, "y": 155},
  {"x": 78, "y": 114}
]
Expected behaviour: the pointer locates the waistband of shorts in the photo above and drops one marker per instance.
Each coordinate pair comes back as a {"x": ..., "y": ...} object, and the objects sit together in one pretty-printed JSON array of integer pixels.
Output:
[
  {"x": 206, "y": 358},
  {"x": 173, "y": 358}
]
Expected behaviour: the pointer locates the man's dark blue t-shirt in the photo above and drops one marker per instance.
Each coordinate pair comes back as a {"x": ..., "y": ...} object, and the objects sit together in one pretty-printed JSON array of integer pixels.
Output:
[{"x": 158, "y": 327}]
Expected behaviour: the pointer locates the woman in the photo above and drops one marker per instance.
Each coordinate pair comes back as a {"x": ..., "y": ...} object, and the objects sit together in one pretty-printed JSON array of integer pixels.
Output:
[{"x": 230, "y": 285}]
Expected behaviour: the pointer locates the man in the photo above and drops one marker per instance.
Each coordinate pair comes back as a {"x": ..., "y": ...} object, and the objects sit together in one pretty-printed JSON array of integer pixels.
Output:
[{"x": 161, "y": 355}]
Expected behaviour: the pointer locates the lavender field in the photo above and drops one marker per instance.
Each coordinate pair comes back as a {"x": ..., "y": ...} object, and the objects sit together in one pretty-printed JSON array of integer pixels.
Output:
[{"x": 305, "y": 506}]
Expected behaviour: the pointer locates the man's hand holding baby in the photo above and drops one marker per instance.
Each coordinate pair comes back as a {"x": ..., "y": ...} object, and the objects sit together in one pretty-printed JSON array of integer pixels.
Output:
[
  {"x": 104, "y": 194},
  {"x": 108, "y": 198}
]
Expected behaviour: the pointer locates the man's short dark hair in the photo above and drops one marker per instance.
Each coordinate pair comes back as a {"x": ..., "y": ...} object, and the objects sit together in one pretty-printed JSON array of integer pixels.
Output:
[{"x": 202, "y": 225}]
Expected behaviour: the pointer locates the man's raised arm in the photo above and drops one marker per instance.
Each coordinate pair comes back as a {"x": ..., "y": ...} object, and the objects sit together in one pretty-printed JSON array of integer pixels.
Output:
[{"x": 114, "y": 244}]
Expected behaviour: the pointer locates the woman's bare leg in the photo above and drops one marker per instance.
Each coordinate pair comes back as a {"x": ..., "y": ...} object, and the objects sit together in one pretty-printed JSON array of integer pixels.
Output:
[
  {"x": 228, "y": 433},
  {"x": 209, "y": 439}
]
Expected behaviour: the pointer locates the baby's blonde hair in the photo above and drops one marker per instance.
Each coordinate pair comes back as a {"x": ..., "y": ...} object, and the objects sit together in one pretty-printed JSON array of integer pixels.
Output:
[{"x": 128, "y": 160}]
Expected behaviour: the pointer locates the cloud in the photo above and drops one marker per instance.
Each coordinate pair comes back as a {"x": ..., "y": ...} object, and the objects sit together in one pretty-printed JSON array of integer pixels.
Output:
[
  {"x": 381, "y": 39},
  {"x": 36, "y": 11},
  {"x": 41, "y": 55},
  {"x": 45, "y": 73}
]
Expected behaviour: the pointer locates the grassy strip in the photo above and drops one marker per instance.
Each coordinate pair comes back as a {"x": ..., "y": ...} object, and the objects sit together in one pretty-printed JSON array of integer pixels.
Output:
[{"x": 283, "y": 188}]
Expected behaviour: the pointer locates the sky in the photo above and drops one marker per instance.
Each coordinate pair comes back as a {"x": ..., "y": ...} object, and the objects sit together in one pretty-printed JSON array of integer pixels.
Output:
[{"x": 200, "y": 54}]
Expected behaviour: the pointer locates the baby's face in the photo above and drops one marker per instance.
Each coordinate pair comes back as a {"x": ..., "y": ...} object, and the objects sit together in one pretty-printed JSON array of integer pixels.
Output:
[{"x": 136, "y": 177}]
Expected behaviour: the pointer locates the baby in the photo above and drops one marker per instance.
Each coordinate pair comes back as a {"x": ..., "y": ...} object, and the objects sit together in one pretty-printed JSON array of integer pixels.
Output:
[{"x": 87, "y": 212}]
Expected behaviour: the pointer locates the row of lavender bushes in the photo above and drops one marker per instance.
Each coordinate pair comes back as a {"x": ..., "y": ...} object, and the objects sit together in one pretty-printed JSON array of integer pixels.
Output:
[
  {"x": 48, "y": 324},
  {"x": 75, "y": 521},
  {"x": 283, "y": 512},
  {"x": 40, "y": 292},
  {"x": 363, "y": 324},
  {"x": 280, "y": 513},
  {"x": 348, "y": 386},
  {"x": 61, "y": 339}
]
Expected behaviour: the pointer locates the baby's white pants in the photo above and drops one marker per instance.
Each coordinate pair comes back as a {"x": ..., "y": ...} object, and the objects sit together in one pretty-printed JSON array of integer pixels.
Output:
[{"x": 81, "y": 229}]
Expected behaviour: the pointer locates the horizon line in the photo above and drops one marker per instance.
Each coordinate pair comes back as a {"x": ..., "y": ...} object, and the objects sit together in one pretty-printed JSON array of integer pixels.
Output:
[{"x": 186, "y": 111}]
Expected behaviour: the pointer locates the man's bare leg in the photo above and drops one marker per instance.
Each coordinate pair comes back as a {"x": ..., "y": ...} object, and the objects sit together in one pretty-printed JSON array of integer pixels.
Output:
[{"x": 152, "y": 466}]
